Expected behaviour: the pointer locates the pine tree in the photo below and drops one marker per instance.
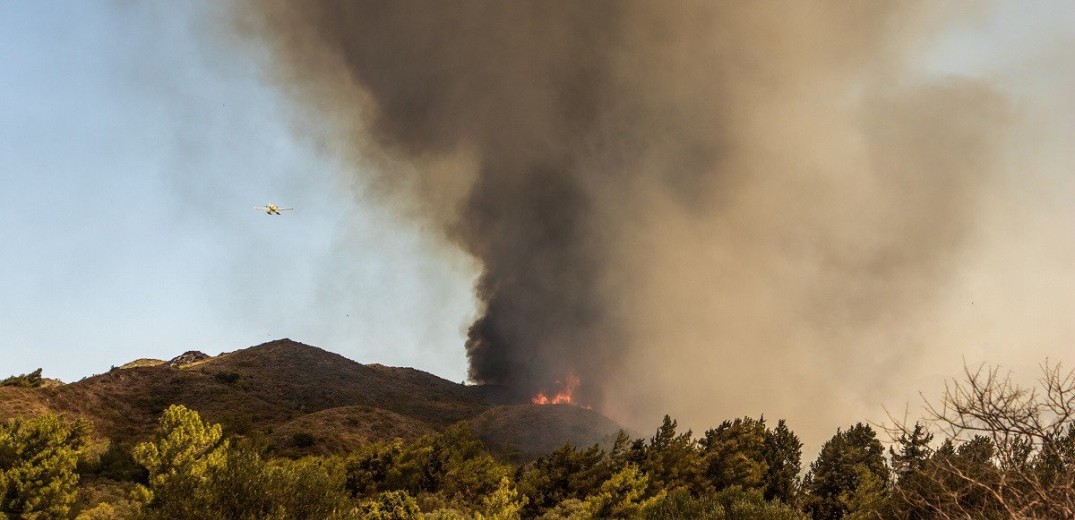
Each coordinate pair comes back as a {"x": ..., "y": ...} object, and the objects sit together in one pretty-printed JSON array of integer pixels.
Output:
[
  {"x": 620, "y": 455},
  {"x": 913, "y": 455},
  {"x": 911, "y": 465},
  {"x": 622, "y": 496},
  {"x": 783, "y": 455},
  {"x": 565, "y": 474},
  {"x": 734, "y": 454},
  {"x": 672, "y": 460},
  {"x": 179, "y": 459},
  {"x": 503, "y": 504},
  {"x": 37, "y": 466},
  {"x": 850, "y": 464}
]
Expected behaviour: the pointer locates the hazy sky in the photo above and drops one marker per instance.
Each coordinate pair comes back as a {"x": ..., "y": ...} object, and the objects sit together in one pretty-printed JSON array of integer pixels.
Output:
[
  {"x": 133, "y": 147},
  {"x": 134, "y": 144}
]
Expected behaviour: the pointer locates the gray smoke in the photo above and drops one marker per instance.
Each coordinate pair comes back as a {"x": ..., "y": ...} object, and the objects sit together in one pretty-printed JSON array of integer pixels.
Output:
[{"x": 702, "y": 207}]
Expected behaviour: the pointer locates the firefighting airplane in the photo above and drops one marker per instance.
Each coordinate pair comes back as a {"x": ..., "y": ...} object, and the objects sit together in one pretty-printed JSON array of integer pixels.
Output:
[{"x": 272, "y": 209}]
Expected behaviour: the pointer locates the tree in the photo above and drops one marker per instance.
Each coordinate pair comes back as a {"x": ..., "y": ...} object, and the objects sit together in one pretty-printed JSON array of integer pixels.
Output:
[
  {"x": 247, "y": 486},
  {"x": 239, "y": 487},
  {"x": 178, "y": 459},
  {"x": 913, "y": 455},
  {"x": 672, "y": 460},
  {"x": 503, "y": 504},
  {"x": 374, "y": 468},
  {"x": 734, "y": 454},
  {"x": 1009, "y": 450},
  {"x": 37, "y": 466},
  {"x": 564, "y": 474},
  {"x": 848, "y": 475},
  {"x": 451, "y": 464},
  {"x": 910, "y": 464},
  {"x": 621, "y": 496},
  {"x": 783, "y": 455},
  {"x": 455, "y": 464},
  {"x": 620, "y": 454},
  {"x": 310, "y": 489},
  {"x": 195, "y": 474},
  {"x": 947, "y": 475}
]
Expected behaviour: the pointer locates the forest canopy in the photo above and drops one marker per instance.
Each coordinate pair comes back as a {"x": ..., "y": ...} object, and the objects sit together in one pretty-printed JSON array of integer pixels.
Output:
[{"x": 988, "y": 448}]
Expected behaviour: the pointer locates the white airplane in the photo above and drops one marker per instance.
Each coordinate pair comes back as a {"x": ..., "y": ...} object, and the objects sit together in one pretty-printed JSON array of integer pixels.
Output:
[{"x": 272, "y": 209}]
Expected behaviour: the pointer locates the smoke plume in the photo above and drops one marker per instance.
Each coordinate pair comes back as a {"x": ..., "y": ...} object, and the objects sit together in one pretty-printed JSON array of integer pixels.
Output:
[{"x": 707, "y": 208}]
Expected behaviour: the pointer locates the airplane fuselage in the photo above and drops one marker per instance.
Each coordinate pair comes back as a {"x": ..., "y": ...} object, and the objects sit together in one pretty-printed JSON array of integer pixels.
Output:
[{"x": 272, "y": 209}]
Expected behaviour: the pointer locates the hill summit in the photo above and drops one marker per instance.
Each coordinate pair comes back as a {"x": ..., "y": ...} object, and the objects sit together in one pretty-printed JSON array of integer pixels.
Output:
[{"x": 305, "y": 400}]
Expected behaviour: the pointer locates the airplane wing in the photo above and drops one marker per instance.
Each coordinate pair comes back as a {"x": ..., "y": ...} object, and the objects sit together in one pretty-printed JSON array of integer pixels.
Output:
[{"x": 285, "y": 209}]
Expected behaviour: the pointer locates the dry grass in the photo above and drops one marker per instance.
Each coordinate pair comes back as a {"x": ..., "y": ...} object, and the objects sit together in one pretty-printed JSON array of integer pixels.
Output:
[{"x": 143, "y": 362}]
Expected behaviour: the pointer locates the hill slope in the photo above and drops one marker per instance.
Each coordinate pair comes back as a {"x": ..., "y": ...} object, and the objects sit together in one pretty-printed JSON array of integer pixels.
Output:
[{"x": 303, "y": 399}]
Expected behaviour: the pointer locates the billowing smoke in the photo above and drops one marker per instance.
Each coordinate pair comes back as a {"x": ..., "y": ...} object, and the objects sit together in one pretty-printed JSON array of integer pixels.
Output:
[{"x": 709, "y": 208}]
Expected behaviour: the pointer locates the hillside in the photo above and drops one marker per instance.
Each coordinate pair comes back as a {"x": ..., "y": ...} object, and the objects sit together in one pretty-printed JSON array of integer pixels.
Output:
[
  {"x": 531, "y": 430},
  {"x": 305, "y": 400}
]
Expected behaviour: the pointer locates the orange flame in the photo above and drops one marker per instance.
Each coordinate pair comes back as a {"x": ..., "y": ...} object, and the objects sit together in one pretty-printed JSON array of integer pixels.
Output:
[{"x": 564, "y": 396}]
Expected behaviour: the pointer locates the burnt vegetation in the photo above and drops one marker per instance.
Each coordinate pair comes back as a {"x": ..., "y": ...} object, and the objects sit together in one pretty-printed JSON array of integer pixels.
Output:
[{"x": 987, "y": 448}]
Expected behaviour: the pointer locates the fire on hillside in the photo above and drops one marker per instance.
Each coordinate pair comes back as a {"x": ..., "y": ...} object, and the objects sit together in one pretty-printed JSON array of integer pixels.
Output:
[{"x": 563, "y": 396}]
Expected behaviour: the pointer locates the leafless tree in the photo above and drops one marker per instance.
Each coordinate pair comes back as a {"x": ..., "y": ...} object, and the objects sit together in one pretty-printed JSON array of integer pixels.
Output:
[{"x": 1008, "y": 450}]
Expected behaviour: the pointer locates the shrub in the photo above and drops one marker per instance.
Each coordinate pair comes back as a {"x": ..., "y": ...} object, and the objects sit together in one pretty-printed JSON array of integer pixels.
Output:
[
  {"x": 228, "y": 378},
  {"x": 680, "y": 505},
  {"x": 104, "y": 499},
  {"x": 302, "y": 440},
  {"x": 31, "y": 380},
  {"x": 112, "y": 460},
  {"x": 391, "y": 505}
]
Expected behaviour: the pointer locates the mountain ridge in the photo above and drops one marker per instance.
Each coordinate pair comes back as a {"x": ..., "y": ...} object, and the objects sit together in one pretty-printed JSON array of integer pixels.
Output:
[{"x": 306, "y": 400}]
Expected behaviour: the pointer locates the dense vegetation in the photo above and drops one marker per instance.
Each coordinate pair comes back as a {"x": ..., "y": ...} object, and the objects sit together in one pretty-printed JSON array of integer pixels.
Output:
[
  {"x": 989, "y": 449},
  {"x": 31, "y": 380}
]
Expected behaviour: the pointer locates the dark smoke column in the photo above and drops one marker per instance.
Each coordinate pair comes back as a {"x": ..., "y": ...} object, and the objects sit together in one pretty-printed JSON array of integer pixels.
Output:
[
  {"x": 521, "y": 86},
  {"x": 540, "y": 318}
]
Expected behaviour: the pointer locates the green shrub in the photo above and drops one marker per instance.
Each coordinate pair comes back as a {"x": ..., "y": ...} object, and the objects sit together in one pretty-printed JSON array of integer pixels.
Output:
[
  {"x": 31, "y": 380},
  {"x": 391, "y": 505},
  {"x": 112, "y": 460},
  {"x": 680, "y": 505},
  {"x": 740, "y": 504},
  {"x": 302, "y": 440},
  {"x": 104, "y": 499},
  {"x": 228, "y": 378}
]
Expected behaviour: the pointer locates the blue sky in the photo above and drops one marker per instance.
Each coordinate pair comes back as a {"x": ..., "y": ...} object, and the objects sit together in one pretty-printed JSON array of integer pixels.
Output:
[
  {"x": 134, "y": 145},
  {"x": 132, "y": 151}
]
